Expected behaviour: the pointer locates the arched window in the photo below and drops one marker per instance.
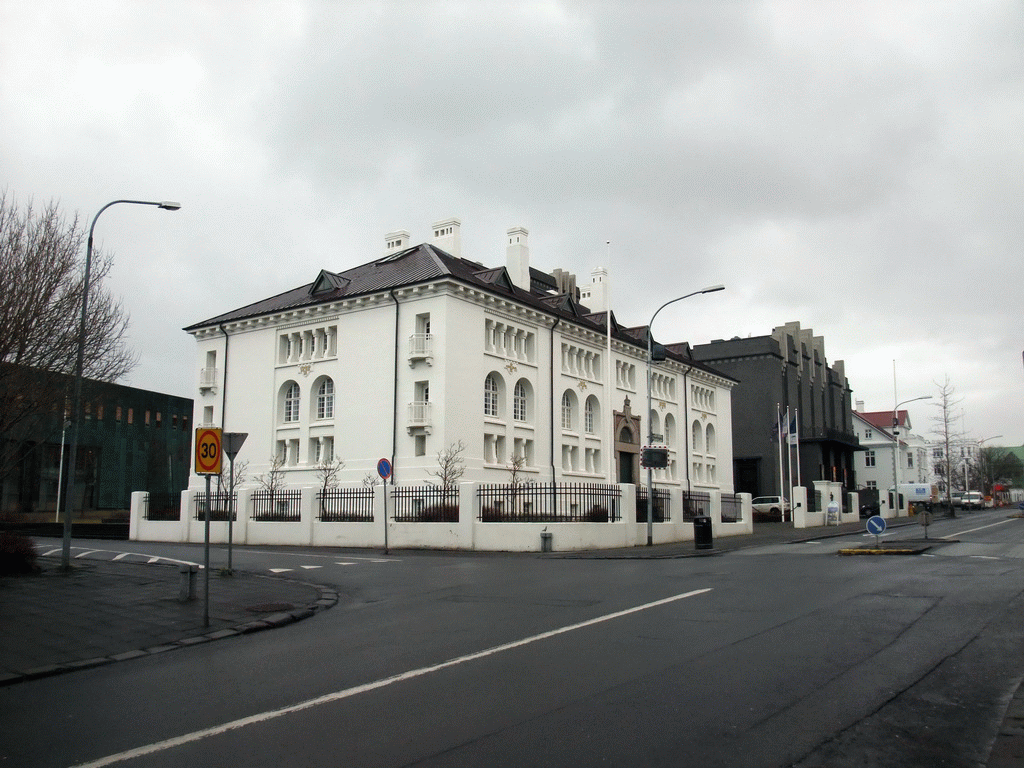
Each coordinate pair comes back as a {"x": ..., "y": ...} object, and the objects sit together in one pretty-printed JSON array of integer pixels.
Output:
[
  {"x": 325, "y": 400},
  {"x": 670, "y": 429},
  {"x": 711, "y": 439},
  {"x": 566, "y": 410},
  {"x": 655, "y": 424},
  {"x": 589, "y": 415},
  {"x": 697, "y": 435},
  {"x": 491, "y": 395},
  {"x": 291, "y": 402},
  {"x": 519, "y": 402}
]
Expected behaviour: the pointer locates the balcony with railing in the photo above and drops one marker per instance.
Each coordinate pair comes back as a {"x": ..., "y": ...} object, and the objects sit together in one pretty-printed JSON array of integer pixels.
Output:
[
  {"x": 421, "y": 347},
  {"x": 420, "y": 417},
  {"x": 209, "y": 378}
]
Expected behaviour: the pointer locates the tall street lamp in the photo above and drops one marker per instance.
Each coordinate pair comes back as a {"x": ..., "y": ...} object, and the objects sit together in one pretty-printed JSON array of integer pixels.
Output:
[
  {"x": 896, "y": 450},
  {"x": 76, "y": 417},
  {"x": 650, "y": 431}
]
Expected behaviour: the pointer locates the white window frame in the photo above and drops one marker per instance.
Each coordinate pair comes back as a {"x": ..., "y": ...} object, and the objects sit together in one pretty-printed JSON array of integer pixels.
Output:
[
  {"x": 325, "y": 399},
  {"x": 292, "y": 400}
]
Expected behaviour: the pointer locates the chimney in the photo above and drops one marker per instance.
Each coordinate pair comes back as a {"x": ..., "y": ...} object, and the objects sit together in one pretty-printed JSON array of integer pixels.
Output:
[
  {"x": 518, "y": 259},
  {"x": 595, "y": 295},
  {"x": 396, "y": 241},
  {"x": 860, "y": 406},
  {"x": 447, "y": 237}
]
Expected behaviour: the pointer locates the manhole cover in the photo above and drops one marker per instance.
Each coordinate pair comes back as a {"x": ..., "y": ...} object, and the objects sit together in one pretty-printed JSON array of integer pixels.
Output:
[{"x": 271, "y": 608}]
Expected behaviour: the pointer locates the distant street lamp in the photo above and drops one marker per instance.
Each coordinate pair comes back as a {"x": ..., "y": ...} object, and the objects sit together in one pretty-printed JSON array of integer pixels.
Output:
[
  {"x": 76, "y": 416},
  {"x": 650, "y": 431},
  {"x": 896, "y": 450}
]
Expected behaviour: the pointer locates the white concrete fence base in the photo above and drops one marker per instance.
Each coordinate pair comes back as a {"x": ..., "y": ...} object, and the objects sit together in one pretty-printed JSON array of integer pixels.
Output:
[{"x": 469, "y": 533}]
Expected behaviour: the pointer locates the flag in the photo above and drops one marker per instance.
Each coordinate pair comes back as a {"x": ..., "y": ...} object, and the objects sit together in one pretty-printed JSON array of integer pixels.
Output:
[{"x": 791, "y": 438}]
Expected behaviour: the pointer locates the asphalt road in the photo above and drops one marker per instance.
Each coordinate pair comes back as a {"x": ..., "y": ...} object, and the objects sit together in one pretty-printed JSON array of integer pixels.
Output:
[{"x": 769, "y": 656}]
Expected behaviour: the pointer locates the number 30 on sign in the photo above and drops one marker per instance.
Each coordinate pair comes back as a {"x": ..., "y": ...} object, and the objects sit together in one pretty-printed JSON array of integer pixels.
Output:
[{"x": 208, "y": 451}]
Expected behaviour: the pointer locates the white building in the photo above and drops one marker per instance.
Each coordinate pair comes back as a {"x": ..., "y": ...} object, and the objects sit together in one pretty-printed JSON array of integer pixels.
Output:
[
  {"x": 874, "y": 465},
  {"x": 420, "y": 349}
]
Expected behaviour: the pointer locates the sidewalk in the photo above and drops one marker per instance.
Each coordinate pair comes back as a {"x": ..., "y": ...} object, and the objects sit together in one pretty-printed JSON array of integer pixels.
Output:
[{"x": 106, "y": 611}]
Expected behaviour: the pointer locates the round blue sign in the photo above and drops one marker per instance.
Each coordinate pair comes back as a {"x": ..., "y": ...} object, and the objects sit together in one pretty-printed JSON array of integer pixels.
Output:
[
  {"x": 876, "y": 525},
  {"x": 384, "y": 468}
]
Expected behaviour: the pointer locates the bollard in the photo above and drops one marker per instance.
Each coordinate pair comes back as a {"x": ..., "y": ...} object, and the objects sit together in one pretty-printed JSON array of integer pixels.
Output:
[
  {"x": 545, "y": 542},
  {"x": 187, "y": 582}
]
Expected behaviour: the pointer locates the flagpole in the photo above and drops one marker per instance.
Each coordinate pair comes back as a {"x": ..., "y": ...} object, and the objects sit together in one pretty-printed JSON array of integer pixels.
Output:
[
  {"x": 789, "y": 464},
  {"x": 778, "y": 434},
  {"x": 797, "y": 436},
  {"x": 609, "y": 370}
]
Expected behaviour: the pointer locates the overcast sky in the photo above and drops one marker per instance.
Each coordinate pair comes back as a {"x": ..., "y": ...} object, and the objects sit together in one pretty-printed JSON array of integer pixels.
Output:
[{"x": 854, "y": 166}]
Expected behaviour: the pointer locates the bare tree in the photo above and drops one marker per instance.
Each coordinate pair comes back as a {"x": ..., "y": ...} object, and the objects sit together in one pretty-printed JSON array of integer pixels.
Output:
[
  {"x": 228, "y": 481},
  {"x": 42, "y": 276},
  {"x": 327, "y": 471},
  {"x": 947, "y": 435},
  {"x": 515, "y": 471},
  {"x": 370, "y": 479},
  {"x": 450, "y": 466},
  {"x": 272, "y": 481}
]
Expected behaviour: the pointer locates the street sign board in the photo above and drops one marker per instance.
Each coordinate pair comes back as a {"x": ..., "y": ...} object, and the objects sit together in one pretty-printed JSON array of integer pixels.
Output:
[
  {"x": 384, "y": 469},
  {"x": 208, "y": 451},
  {"x": 876, "y": 525}
]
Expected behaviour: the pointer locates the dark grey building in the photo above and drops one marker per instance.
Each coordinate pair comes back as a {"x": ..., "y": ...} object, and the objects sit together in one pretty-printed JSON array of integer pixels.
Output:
[{"x": 786, "y": 369}]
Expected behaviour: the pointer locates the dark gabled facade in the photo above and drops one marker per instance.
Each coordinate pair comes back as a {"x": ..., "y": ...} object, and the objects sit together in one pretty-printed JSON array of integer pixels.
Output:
[{"x": 786, "y": 370}]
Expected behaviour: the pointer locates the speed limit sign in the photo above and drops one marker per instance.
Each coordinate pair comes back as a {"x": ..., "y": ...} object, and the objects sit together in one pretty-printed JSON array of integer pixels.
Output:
[{"x": 208, "y": 451}]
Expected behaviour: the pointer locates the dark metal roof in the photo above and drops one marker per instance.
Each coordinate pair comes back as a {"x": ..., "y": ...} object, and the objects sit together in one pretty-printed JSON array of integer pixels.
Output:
[{"x": 424, "y": 263}]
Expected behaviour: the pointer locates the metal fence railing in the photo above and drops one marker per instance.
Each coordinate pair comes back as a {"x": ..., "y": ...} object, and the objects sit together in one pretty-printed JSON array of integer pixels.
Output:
[
  {"x": 549, "y": 503},
  {"x": 345, "y": 505},
  {"x": 426, "y": 504},
  {"x": 696, "y": 504},
  {"x": 162, "y": 506},
  {"x": 278, "y": 506},
  {"x": 220, "y": 505},
  {"x": 662, "y": 507},
  {"x": 732, "y": 510}
]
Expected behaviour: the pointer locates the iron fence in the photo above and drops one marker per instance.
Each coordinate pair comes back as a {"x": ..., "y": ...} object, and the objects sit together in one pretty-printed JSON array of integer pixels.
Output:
[
  {"x": 732, "y": 510},
  {"x": 277, "y": 506},
  {"x": 162, "y": 506},
  {"x": 345, "y": 505},
  {"x": 696, "y": 504},
  {"x": 662, "y": 507},
  {"x": 549, "y": 503},
  {"x": 426, "y": 504},
  {"x": 220, "y": 503}
]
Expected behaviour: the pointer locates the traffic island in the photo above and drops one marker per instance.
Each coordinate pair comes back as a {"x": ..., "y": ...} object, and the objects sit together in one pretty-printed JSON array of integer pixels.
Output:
[{"x": 892, "y": 548}]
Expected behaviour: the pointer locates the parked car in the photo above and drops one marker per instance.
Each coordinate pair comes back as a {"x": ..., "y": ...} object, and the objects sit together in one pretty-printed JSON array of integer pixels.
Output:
[
  {"x": 972, "y": 500},
  {"x": 956, "y": 498},
  {"x": 770, "y": 508},
  {"x": 870, "y": 509}
]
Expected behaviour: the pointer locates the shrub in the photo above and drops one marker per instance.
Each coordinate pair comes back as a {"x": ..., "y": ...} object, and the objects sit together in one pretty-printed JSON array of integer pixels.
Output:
[{"x": 17, "y": 554}]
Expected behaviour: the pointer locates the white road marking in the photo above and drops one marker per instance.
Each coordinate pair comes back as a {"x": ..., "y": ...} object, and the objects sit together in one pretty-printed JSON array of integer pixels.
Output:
[
  {"x": 344, "y": 563},
  {"x": 87, "y": 553},
  {"x": 152, "y": 560},
  {"x": 281, "y": 570},
  {"x": 310, "y": 567},
  {"x": 329, "y": 698},
  {"x": 121, "y": 556},
  {"x": 983, "y": 557},
  {"x": 981, "y": 528}
]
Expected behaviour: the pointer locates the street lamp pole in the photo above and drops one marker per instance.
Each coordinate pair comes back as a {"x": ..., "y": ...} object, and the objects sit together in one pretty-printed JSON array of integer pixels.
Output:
[
  {"x": 650, "y": 431},
  {"x": 76, "y": 418},
  {"x": 896, "y": 450}
]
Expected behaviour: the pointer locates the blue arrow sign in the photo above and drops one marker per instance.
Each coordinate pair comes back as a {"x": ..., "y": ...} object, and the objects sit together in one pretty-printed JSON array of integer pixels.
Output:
[{"x": 876, "y": 525}]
